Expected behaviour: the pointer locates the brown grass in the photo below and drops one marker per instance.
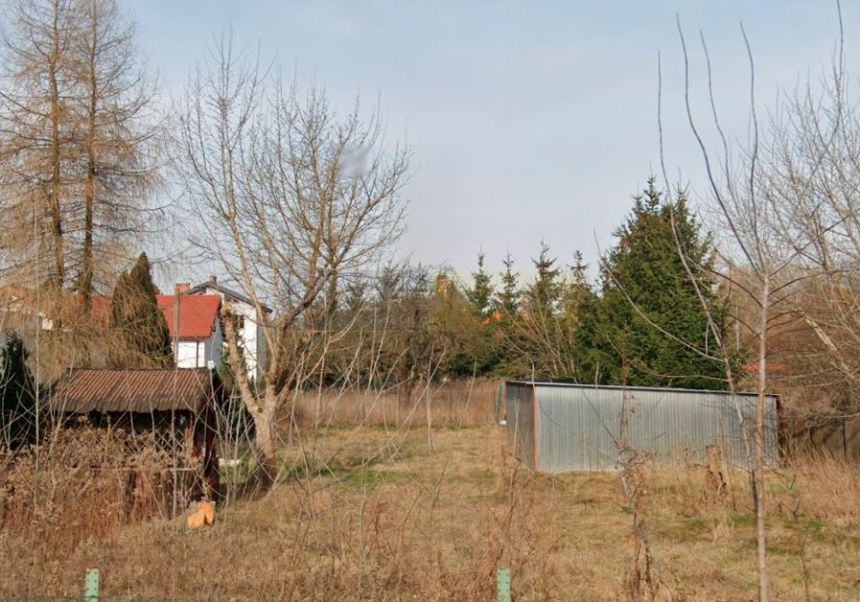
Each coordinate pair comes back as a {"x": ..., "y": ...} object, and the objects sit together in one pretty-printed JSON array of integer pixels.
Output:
[
  {"x": 457, "y": 403},
  {"x": 378, "y": 513}
]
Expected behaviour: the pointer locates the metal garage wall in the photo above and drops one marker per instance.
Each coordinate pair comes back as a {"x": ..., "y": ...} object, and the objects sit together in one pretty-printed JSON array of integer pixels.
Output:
[
  {"x": 579, "y": 426},
  {"x": 520, "y": 410}
]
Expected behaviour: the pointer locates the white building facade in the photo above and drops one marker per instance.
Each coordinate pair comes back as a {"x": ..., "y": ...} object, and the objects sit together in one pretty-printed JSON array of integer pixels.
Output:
[
  {"x": 195, "y": 329},
  {"x": 250, "y": 334}
]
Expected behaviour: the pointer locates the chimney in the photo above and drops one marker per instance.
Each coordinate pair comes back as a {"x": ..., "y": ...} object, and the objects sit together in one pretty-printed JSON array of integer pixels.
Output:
[
  {"x": 443, "y": 286},
  {"x": 213, "y": 280},
  {"x": 182, "y": 288},
  {"x": 176, "y": 299}
]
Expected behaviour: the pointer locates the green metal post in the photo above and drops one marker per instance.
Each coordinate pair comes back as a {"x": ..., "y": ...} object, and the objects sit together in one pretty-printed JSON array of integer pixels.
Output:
[
  {"x": 503, "y": 585},
  {"x": 91, "y": 586}
]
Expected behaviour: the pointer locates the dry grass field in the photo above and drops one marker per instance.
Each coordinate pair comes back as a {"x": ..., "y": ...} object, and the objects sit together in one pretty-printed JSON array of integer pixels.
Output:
[{"x": 385, "y": 513}]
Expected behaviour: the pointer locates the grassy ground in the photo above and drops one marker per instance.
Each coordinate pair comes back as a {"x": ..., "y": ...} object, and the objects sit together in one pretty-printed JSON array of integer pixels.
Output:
[{"x": 370, "y": 513}]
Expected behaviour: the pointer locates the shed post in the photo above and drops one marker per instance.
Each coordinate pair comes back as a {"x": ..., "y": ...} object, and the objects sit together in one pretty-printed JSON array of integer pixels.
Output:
[
  {"x": 91, "y": 586},
  {"x": 503, "y": 585},
  {"x": 535, "y": 429}
]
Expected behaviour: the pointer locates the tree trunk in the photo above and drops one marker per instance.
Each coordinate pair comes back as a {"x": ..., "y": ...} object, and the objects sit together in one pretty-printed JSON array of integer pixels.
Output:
[
  {"x": 266, "y": 443},
  {"x": 262, "y": 411},
  {"x": 758, "y": 472},
  {"x": 58, "y": 277},
  {"x": 85, "y": 282}
]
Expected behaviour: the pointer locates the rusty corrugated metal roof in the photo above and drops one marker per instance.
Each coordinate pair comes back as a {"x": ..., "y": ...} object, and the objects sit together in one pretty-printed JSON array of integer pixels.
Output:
[{"x": 134, "y": 390}]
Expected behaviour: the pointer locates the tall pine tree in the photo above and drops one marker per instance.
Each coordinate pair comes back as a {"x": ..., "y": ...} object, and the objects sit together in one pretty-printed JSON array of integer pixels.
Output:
[
  {"x": 545, "y": 292},
  {"x": 533, "y": 337},
  {"x": 509, "y": 296},
  {"x": 480, "y": 296},
  {"x": 579, "y": 323},
  {"x": 652, "y": 323},
  {"x": 142, "y": 336}
]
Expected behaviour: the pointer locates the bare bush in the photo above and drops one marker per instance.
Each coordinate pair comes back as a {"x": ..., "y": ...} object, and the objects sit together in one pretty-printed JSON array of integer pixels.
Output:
[{"x": 88, "y": 482}]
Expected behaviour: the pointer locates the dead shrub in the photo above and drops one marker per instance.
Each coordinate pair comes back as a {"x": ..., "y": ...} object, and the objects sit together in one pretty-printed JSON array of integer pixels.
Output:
[{"x": 86, "y": 482}]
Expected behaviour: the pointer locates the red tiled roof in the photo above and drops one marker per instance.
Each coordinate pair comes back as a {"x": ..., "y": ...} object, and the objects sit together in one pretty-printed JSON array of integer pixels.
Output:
[{"x": 197, "y": 314}]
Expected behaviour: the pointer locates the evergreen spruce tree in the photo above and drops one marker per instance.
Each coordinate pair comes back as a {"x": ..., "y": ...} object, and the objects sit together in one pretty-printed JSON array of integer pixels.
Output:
[
  {"x": 647, "y": 284},
  {"x": 389, "y": 284},
  {"x": 509, "y": 297},
  {"x": 17, "y": 394},
  {"x": 356, "y": 293},
  {"x": 543, "y": 336},
  {"x": 142, "y": 336},
  {"x": 580, "y": 324},
  {"x": 545, "y": 292},
  {"x": 532, "y": 343},
  {"x": 480, "y": 296},
  {"x": 476, "y": 328}
]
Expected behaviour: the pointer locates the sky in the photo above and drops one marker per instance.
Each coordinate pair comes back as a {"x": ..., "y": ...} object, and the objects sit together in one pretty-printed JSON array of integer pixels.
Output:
[{"x": 528, "y": 121}]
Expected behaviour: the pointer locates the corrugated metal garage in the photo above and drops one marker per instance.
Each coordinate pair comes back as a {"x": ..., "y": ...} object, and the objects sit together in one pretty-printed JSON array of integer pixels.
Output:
[{"x": 555, "y": 427}]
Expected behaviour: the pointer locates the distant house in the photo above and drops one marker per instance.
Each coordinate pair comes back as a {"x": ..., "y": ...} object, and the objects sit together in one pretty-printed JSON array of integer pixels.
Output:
[
  {"x": 194, "y": 322},
  {"x": 194, "y": 325},
  {"x": 250, "y": 334},
  {"x": 193, "y": 316}
]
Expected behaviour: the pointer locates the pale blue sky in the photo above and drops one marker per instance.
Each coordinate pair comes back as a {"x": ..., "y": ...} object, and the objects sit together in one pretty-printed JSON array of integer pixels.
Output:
[{"x": 528, "y": 120}]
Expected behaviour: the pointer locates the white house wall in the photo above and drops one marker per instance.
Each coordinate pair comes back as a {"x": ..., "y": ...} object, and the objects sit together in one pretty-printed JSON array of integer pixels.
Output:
[
  {"x": 215, "y": 347},
  {"x": 199, "y": 354},
  {"x": 251, "y": 338},
  {"x": 186, "y": 356}
]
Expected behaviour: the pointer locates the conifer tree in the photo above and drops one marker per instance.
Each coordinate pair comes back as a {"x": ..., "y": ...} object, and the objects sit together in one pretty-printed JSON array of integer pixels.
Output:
[
  {"x": 481, "y": 294},
  {"x": 579, "y": 322},
  {"x": 652, "y": 324},
  {"x": 17, "y": 394},
  {"x": 143, "y": 339},
  {"x": 545, "y": 293},
  {"x": 509, "y": 297},
  {"x": 539, "y": 337}
]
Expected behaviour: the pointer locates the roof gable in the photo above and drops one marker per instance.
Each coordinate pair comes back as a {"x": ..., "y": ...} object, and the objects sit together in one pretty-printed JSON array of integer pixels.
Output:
[
  {"x": 228, "y": 293},
  {"x": 198, "y": 314}
]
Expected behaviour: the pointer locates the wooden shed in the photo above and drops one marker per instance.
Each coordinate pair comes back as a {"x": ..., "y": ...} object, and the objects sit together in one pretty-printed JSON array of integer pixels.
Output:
[{"x": 179, "y": 406}]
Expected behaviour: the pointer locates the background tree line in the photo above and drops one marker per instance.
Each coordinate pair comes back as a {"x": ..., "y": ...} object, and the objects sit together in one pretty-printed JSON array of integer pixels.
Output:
[{"x": 642, "y": 323}]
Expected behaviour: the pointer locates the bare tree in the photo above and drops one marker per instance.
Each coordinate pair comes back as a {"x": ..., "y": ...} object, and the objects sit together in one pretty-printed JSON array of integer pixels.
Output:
[
  {"x": 77, "y": 140},
  {"x": 36, "y": 146},
  {"x": 118, "y": 133},
  {"x": 286, "y": 195},
  {"x": 785, "y": 227}
]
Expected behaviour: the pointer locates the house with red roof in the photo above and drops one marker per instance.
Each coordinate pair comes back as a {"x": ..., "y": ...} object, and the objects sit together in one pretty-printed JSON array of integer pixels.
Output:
[
  {"x": 193, "y": 319},
  {"x": 194, "y": 322},
  {"x": 249, "y": 331}
]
